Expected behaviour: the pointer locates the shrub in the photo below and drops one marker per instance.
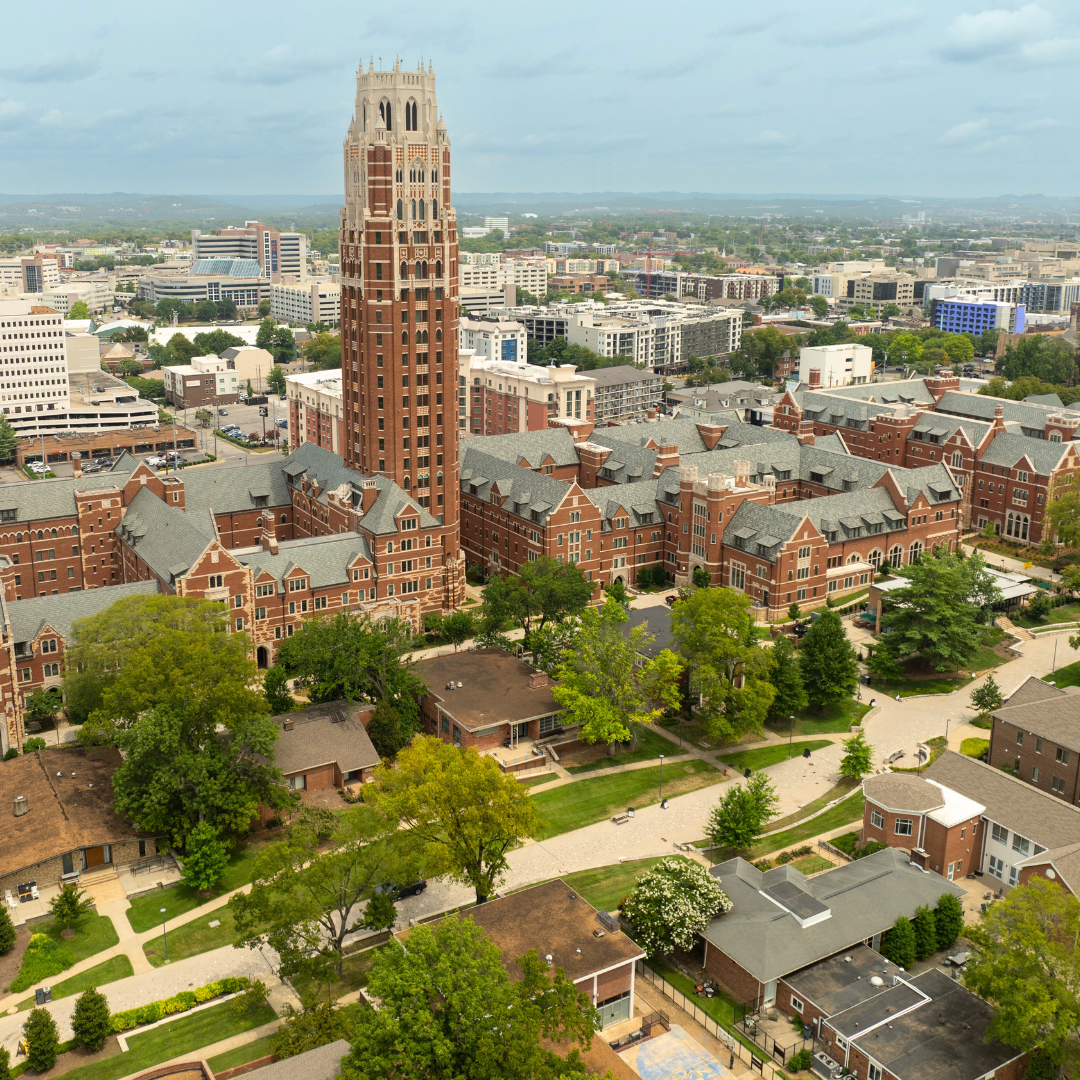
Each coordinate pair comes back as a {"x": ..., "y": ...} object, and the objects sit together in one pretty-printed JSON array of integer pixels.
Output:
[
  {"x": 90, "y": 1021},
  {"x": 948, "y": 920},
  {"x": 186, "y": 999},
  {"x": 5, "y": 1064},
  {"x": 898, "y": 944},
  {"x": 42, "y": 1040},
  {"x": 33, "y": 744},
  {"x": 7, "y": 931},
  {"x": 12, "y": 753},
  {"x": 868, "y": 849},
  {"x": 44, "y": 957},
  {"x": 925, "y": 932},
  {"x": 802, "y": 1060}
]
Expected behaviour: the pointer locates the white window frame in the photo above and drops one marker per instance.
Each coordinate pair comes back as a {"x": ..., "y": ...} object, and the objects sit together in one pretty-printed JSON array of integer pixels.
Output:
[
  {"x": 877, "y": 819},
  {"x": 910, "y": 822}
]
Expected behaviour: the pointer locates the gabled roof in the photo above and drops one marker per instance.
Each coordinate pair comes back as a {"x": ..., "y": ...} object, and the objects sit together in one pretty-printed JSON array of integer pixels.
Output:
[
  {"x": 982, "y": 406},
  {"x": 1032, "y": 689},
  {"x": 321, "y": 734},
  {"x": 1007, "y": 449},
  {"x": 36, "y": 500},
  {"x": 1056, "y": 718},
  {"x": 902, "y": 391},
  {"x": 1043, "y": 818},
  {"x": 166, "y": 538},
  {"x": 27, "y": 617},
  {"x": 533, "y": 447},
  {"x": 325, "y": 559},
  {"x": 863, "y": 898},
  {"x": 522, "y": 489},
  {"x": 230, "y": 490},
  {"x": 637, "y": 499}
]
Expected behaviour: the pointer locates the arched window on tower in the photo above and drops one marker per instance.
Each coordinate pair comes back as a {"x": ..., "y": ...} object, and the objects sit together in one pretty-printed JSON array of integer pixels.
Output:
[
  {"x": 404, "y": 337},
  {"x": 421, "y": 209},
  {"x": 410, "y": 116},
  {"x": 413, "y": 209},
  {"x": 422, "y": 273},
  {"x": 384, "y": 113},
  {"x": 404, "y": 268},
  {"x": 434, "y": 209},
  {"x": 438, "y": 336},
  {"x": 400, "y": 210},
  {"x": 415, "y": 126},
  {"x": 438, "y": 265},
  {"x": 435, "y": 176}
]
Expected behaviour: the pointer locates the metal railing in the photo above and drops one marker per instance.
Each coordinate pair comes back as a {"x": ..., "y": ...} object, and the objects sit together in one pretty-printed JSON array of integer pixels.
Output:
[
  {"x": 151, "y": 862},
  {"x": 735, "y": 1048},
  {"x": 750, "y": 1026},
  {"x": 834, "y": 850}
]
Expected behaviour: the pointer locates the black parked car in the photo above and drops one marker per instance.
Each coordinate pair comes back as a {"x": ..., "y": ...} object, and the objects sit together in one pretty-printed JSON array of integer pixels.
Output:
[{"x": 398, "y": 892}]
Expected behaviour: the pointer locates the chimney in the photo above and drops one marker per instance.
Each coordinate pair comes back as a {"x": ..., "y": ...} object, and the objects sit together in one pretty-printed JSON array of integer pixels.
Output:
[
  {"x": 76, "y": 465},
  {"x": 288, "y": 725},
  {"x": 742, "y": 474},
  {"x": 369, "y": 493},
  {"x": 538, "y": 679},
  {"x": 21, "y": 805},
  {"x": 667, "y": 456}
]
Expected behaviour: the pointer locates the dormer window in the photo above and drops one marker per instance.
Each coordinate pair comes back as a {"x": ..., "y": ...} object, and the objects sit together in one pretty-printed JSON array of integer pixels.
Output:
[{"x": 260, "y": 500}]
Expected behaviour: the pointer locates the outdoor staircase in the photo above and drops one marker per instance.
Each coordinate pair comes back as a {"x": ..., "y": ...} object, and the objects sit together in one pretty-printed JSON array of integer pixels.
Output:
[
  {"x": 1010, "y": 627},
  {"x": 98, "y": 876}
]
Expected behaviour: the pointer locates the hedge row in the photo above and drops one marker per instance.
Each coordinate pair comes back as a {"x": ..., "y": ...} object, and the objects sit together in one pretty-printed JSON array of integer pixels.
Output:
[{"x": 178, "y": 1003}]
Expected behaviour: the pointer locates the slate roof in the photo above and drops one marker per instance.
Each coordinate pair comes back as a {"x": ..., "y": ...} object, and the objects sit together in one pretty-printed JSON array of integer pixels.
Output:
[
  {"x": 525, "y": 491},
  {"x": 638, "y": 499},
  {"x": 947, "y": 425},
  {"x": 901, "y": 391},
  {"x": 27, "y": 617},
  {"x": 1008, "y": 448},
  {"x": 657, "y": 621},
  {"x": 325, "y": 559},
  {"x": 166, "y": 538},
  {"x": 683, "y": 433},
  {"x": 896, "y": 791},
  {"x": 322, "y": 1063},
  {"x": 535, "y": 447},
  {"x": 1051, "y": 400},
  {"x": 1009, "y": 801},
  {"x": 1065, "y": 861},
  {"x": 36, "y": 500},
  {"x": 1051, "y": 717},
  {"x": 230, "y": 490},
  {"x": 864, "y": 898},
  {"x": 982, "y": 406}
]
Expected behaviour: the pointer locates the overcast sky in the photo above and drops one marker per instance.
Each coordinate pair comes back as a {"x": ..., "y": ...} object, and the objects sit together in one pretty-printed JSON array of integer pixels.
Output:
[{"x": 912, "y": 98}]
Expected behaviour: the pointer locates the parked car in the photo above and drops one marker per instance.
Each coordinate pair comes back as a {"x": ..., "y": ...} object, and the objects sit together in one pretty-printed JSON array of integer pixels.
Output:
[
  {"x": 283, "y": 423},
  {"x": 155, "y": 462},
  {"x": 171, "y": 455},
  {"x": 398, "y": 892},
  {"x": 223, "y": 412},
  {"x": 36, "y": 466}
]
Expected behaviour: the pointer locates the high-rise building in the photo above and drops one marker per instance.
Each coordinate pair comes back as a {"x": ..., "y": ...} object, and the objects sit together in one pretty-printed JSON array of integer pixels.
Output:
[
  {"x": 281, "y": 256},
  {"x": 399, "y": 284}
]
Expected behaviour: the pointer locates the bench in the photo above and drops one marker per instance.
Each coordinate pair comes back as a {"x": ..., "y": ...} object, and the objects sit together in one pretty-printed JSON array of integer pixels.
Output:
[{"x": 621, "y": 819}]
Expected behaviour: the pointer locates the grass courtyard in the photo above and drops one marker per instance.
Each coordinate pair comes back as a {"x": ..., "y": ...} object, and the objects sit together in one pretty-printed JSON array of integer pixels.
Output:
[
  {"x": 587, "y": 801},
  {"x": 764, "y": 756},
  {"x": 650, "y": 746}
]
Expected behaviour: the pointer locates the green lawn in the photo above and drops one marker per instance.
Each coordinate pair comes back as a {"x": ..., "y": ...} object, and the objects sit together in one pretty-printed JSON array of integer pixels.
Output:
[
  {"x": 843, "y": 813},
  {"x": 536, "y": 781},
  {"x": 145, "y": 914},
  {"x": 937, "y": 745},
  {"x": 827, "y": 721},
  {"x": 586, "y": 801},
  {"x": 810, "y": 864},
  {"x": 1065, "y": 676},
  {"x": 174, "y": 1039},
  {"x": 194, "y": 937},
  {"x": 974, "y": 747},
  {"x": 1065, "y": 613},
  {"x": 764, "y": 756},
  {"x": 846, "y": 785},
  {"x": 605, "y": 886},
  {"x": 650, "y": 747},
  {"x": 982, "y": 659},
  {"x": 241, "y": 1055},
  {"x": 93, "y": 933},
  {"x": 119, "y": 967},
  {"x": 354, "y": 976}
]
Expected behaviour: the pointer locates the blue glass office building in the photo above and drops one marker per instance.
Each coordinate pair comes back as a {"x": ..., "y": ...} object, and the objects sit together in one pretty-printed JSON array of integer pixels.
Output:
[{"x": 975, "y": 316}]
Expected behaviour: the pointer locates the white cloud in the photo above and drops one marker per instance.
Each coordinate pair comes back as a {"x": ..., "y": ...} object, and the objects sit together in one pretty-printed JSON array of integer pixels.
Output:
[
  {"x": 769, "y": 137},
  {"x": 1039, "y": 125},
  {"x": 1051, "y": 51},
  {"x": 52, "y": 69},
  {"x": 52, "y": 119},
  {"x": 996, "y": 32},
  {"x": 965, "y": 132}
]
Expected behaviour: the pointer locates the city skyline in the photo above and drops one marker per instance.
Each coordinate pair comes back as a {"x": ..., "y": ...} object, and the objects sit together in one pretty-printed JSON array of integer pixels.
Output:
[{"x": 970, "y": 101}]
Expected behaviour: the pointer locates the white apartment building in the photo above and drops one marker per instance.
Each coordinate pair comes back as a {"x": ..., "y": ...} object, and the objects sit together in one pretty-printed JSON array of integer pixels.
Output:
[
  {"x": 834, "y": 365},
  {"x": 282, "y": 256},
  {"x": 496, "y": 397},
  {"x": 33, "y": 363},
  {"x": 98, "y": 294},
  {"x": 480, "y": 258},
  {"x": 309, "y": 302},
  {"x": 316, "y": 410},
  {"x": 529, "y": 274},
  {"x": 504, "y": 341},
  {"x": 501, "y": 223}
]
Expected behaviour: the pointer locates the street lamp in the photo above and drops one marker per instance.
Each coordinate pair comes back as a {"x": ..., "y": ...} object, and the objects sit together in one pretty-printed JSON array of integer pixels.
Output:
[
  {"x": 165, "y": 935},
  {"x": 791, "y": 735},
  {"x": 661, "y": 781}
]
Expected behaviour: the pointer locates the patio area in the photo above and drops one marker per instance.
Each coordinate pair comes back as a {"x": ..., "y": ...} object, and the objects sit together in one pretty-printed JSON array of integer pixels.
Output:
[
  {"x": 526, "y": 755},
  {"x": 674, "y": 1054},
  {"x": 774, "y": 1033}
]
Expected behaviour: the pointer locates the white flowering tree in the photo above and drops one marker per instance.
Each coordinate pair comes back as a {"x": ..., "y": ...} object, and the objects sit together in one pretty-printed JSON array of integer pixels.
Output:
[{"x": 672, "y": 903}]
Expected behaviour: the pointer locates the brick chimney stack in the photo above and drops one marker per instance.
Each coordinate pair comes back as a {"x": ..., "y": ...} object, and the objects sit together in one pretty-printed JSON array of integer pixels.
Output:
[{"x": 76, "y": 465}]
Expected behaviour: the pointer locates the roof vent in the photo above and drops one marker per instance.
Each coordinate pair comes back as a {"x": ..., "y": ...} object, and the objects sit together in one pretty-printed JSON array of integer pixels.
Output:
[
  {"x": 460, "y": 685},
  {"x": 579, "y": 951},
  {"x": 72, "y": 776},
  {"x": 941, "y": 1019},
  {"x": 21, "y": 805},
  {"x": 59, "y": 776},
  {"x": 548, "y": 958},
  {"x": 598, "y": 933},
  {"x": 876, "y": 980},
  {"x": 847, "y": 959}
]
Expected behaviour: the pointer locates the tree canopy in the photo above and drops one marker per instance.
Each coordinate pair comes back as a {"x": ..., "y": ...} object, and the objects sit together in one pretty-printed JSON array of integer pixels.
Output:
[
  {"x": 179, "y": 771},
  {"x": 449, "y": 1008},
  {"x": 742, "y": 812},
  {"x": 937, "y": 615},
  {"x": 1052, "y": 360},
  {"x": 545, "y": 591},
  {"x": 323, "y": 351},
  {"x": 78, "y": 310},
  {"x": 144, "y": 651},
  {"x": 830, "y": 669},
  {"x": 457, "y": 809},
  {"x": 729, "y": 670},
  {"x": 216, "y": 342},
  {"x": 605, "y": 683},
  {"x": 349, "y": 656}
]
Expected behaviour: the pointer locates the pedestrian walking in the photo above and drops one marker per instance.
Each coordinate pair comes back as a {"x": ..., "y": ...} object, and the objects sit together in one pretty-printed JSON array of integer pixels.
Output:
[{"x": 897, "y": 697}]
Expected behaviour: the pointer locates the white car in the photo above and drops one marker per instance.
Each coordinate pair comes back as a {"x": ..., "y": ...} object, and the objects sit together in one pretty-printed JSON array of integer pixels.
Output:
[
  {"x": 155, "y": 462},
  {"x": 36, "y": 466}
]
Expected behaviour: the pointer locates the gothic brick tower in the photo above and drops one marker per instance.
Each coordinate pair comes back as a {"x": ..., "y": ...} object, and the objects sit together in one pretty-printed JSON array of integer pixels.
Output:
[{"x": 399, "y": 321}]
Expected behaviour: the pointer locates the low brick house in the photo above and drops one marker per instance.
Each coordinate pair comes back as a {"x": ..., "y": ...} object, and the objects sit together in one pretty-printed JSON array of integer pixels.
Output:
[
  {"x": 781, "y": 921},
  {"x": 484, "y": 697},
  {"x": 325, "y": 746},
  {"x": 61, "y": 821},
  {"x": 599, "y": 961}
]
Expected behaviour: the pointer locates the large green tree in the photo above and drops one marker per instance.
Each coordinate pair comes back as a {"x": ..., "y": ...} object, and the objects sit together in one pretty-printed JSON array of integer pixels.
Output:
[
  {"x": 8, "y": 440},
  {"x": 449, "y": 1008},
  {"x": 829, "y": 664},
  {"x": 605, "y": 682},
  {"x": 729, "y": 671},
  {"x": 349, "y": 656},
  {"x": 785, "y": 674},
  {"x": 937, "y": 616},
  {"x": 216, "y": 342},
  {"x": 181, "y": 770},
  {"x": 144, "y": 651},
  {"x": 460, "y": 813},
  {"x": 78, "y": 310},
  {"x": 1028, "y": 968},
  {"x": 305, "y": 905},
  {"x": 323, "y": 351},
  {"x": 742, "y": 813},
  {"x": 90, "y": 1021},
  {"x": 545, "y": 591},
  {"x": 1051, "y": 359}
]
